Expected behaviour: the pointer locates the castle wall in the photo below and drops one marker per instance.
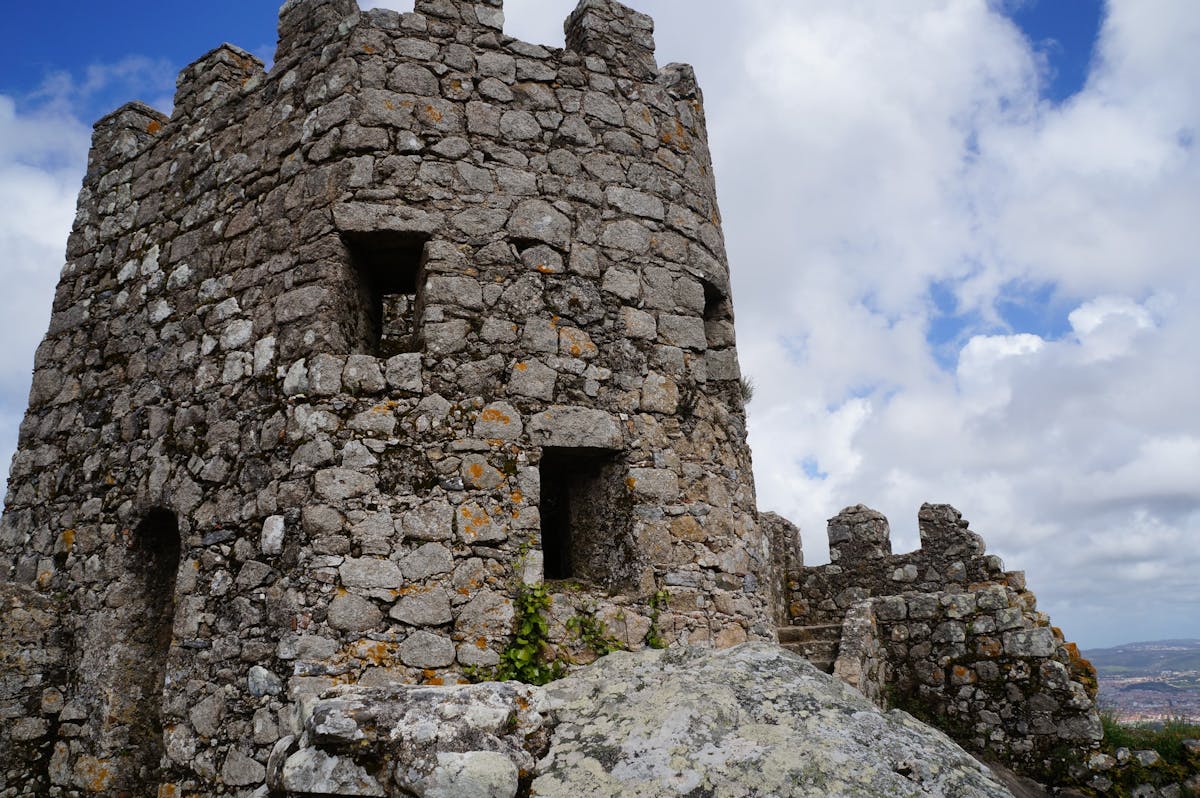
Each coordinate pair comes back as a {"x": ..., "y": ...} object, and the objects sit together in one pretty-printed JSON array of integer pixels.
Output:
[
  {"x": 338, "y": 500},
  {"x": 947, "y": 634}
]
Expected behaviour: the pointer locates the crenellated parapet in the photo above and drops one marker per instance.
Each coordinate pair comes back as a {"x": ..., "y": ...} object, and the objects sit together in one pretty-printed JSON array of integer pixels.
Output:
[
  {"x": 121, "y": 135},
  {"x": 620, "y": 36},
  {"x": 862, "y": 564},
  {"x": 215, "y": 78},
  {"x": 469, "y": 16}
]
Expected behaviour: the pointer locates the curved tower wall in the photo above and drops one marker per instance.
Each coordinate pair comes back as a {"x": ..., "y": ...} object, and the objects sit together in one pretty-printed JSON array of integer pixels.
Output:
[{"x": 346, "y": 352}]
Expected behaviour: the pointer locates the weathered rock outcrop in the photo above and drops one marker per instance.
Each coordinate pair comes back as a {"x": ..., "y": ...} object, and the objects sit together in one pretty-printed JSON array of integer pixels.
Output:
[{"x": 754, "y": 720}]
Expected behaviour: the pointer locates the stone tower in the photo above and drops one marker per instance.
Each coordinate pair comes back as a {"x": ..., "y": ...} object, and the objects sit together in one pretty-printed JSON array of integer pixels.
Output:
[{"x": 346, "y": 352}]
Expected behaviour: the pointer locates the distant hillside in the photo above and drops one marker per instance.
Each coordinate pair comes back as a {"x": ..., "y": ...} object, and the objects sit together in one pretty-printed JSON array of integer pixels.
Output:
[{"x": 1135, "y": 659}]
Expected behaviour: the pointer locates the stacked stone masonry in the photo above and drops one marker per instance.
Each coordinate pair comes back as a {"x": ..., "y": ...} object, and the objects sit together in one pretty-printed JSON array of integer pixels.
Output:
[
  {"x": 341, "y": 355},
  {"x": 946, "y": 633}
]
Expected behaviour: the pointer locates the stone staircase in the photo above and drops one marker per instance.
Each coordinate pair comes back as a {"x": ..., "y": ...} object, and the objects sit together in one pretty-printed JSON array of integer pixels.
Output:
[{"x": 817, "y": 643}]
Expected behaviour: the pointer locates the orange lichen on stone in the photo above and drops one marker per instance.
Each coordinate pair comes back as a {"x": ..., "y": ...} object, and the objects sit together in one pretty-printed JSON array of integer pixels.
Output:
[
  {"x": 153, "y": 127},
  {"x": 630, "y": 482},
  {"x": 475, "y": 470},
  {"x": 481, "y": 643},
  {"x": 677, "y": 137},
  {"x": 384, "y": 408},
  {"x": 433, "y": 113},
  {"x": 95, "y": 773},
  {"x": 494, "y": 415},
  {"x": 374, "y": 652},
  {"x": 68, "y": 539},
  {"x": 473, "y": 523},
  {"x": 988, "y": 647},
  {"x": 522, "y": 366},
  {"x": 1082, "y": 669},
  {"x": 368, "y": 49},
  {"x": 517, "y": 496}
]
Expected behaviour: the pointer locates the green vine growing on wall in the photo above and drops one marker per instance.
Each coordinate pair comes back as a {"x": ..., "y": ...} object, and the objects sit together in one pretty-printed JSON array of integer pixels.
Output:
[
  {"x": 654, "y": 638},
  {"x": 524, "y": 659},
  {"x": 592, "y": 632}
]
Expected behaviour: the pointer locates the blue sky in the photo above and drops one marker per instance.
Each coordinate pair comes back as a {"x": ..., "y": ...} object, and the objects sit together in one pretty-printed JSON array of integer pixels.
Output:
[{"x": 962, "y": 238}]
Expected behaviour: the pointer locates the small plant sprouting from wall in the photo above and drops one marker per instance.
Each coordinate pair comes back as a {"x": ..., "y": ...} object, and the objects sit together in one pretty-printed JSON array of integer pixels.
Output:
[
  {"x": 592, "y": 632},
  {"x": 746, "y": 386},
  {"x": 524, "y": 659},
  {"x": 654, "y": 638}
]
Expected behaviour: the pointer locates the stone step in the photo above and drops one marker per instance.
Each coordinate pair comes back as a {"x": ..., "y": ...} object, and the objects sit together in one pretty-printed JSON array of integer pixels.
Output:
[
  {"x": 814, "y": 649},
  {"x": 796, "y": 634},
  {"x": 822, "y": 662}
]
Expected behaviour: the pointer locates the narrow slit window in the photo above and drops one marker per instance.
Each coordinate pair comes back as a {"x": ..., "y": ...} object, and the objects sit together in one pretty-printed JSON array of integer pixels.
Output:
[
  {"x": 718, "y": 317},
  {"x": 388, "y": 268},
  {"x": 586, "y": 517},
  {"x": 141, "y": 653}
]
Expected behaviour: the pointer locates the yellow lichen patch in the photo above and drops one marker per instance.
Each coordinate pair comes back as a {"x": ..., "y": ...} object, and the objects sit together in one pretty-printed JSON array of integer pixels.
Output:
[
  {"x": 433, "y": 113},
  {"x": 481, "y": 643},
  {"x": 677, "y": 137},
  {"x": 153, "y": 127},
  {"x": 68, "y": 539},
  {"x": 383, "y": 408},
  {"x": 473, "y": 522},
  {"x": 630, "y": 482},
  {"x": 368, "y": 49},
  {"x": 522, "y": 366},
  {"x": 491, "y": 414},
  {"x": 388, "y": 105},
  {"x": 95, "y": 773},
  {"x": 517, "y": 496},
  {"x": 963, "y": 675},
  {"x": 372, "y": 652},
  {"x": 1082, "y": 669}
]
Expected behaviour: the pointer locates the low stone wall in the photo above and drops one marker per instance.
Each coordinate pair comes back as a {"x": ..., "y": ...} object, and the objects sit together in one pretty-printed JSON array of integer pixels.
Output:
[
  {"x": 988, "y": 669},
  {"x": 862, "y": 564},
  {"x": 947, "y": 634},
  {"x": 32, "y": 653}
]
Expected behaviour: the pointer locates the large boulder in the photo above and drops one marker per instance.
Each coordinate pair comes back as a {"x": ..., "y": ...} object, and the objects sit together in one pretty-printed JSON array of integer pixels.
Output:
[{"x": 754, "y": 720}]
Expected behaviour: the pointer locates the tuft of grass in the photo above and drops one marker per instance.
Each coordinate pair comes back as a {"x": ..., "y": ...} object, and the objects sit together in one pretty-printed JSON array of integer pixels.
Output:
[
  {"x": 1166, "y": 738},
  {"x": 746, "y": 388}
]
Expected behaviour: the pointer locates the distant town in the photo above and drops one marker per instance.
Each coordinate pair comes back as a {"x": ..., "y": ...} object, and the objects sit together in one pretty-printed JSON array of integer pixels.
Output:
[{"x": 1150, "y": 682}]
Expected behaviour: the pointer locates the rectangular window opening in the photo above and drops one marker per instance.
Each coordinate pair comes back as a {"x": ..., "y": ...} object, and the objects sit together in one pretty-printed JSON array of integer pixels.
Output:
[
  {"x": 389, "y": 268},
  {"x": 586, "y": 517}
]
